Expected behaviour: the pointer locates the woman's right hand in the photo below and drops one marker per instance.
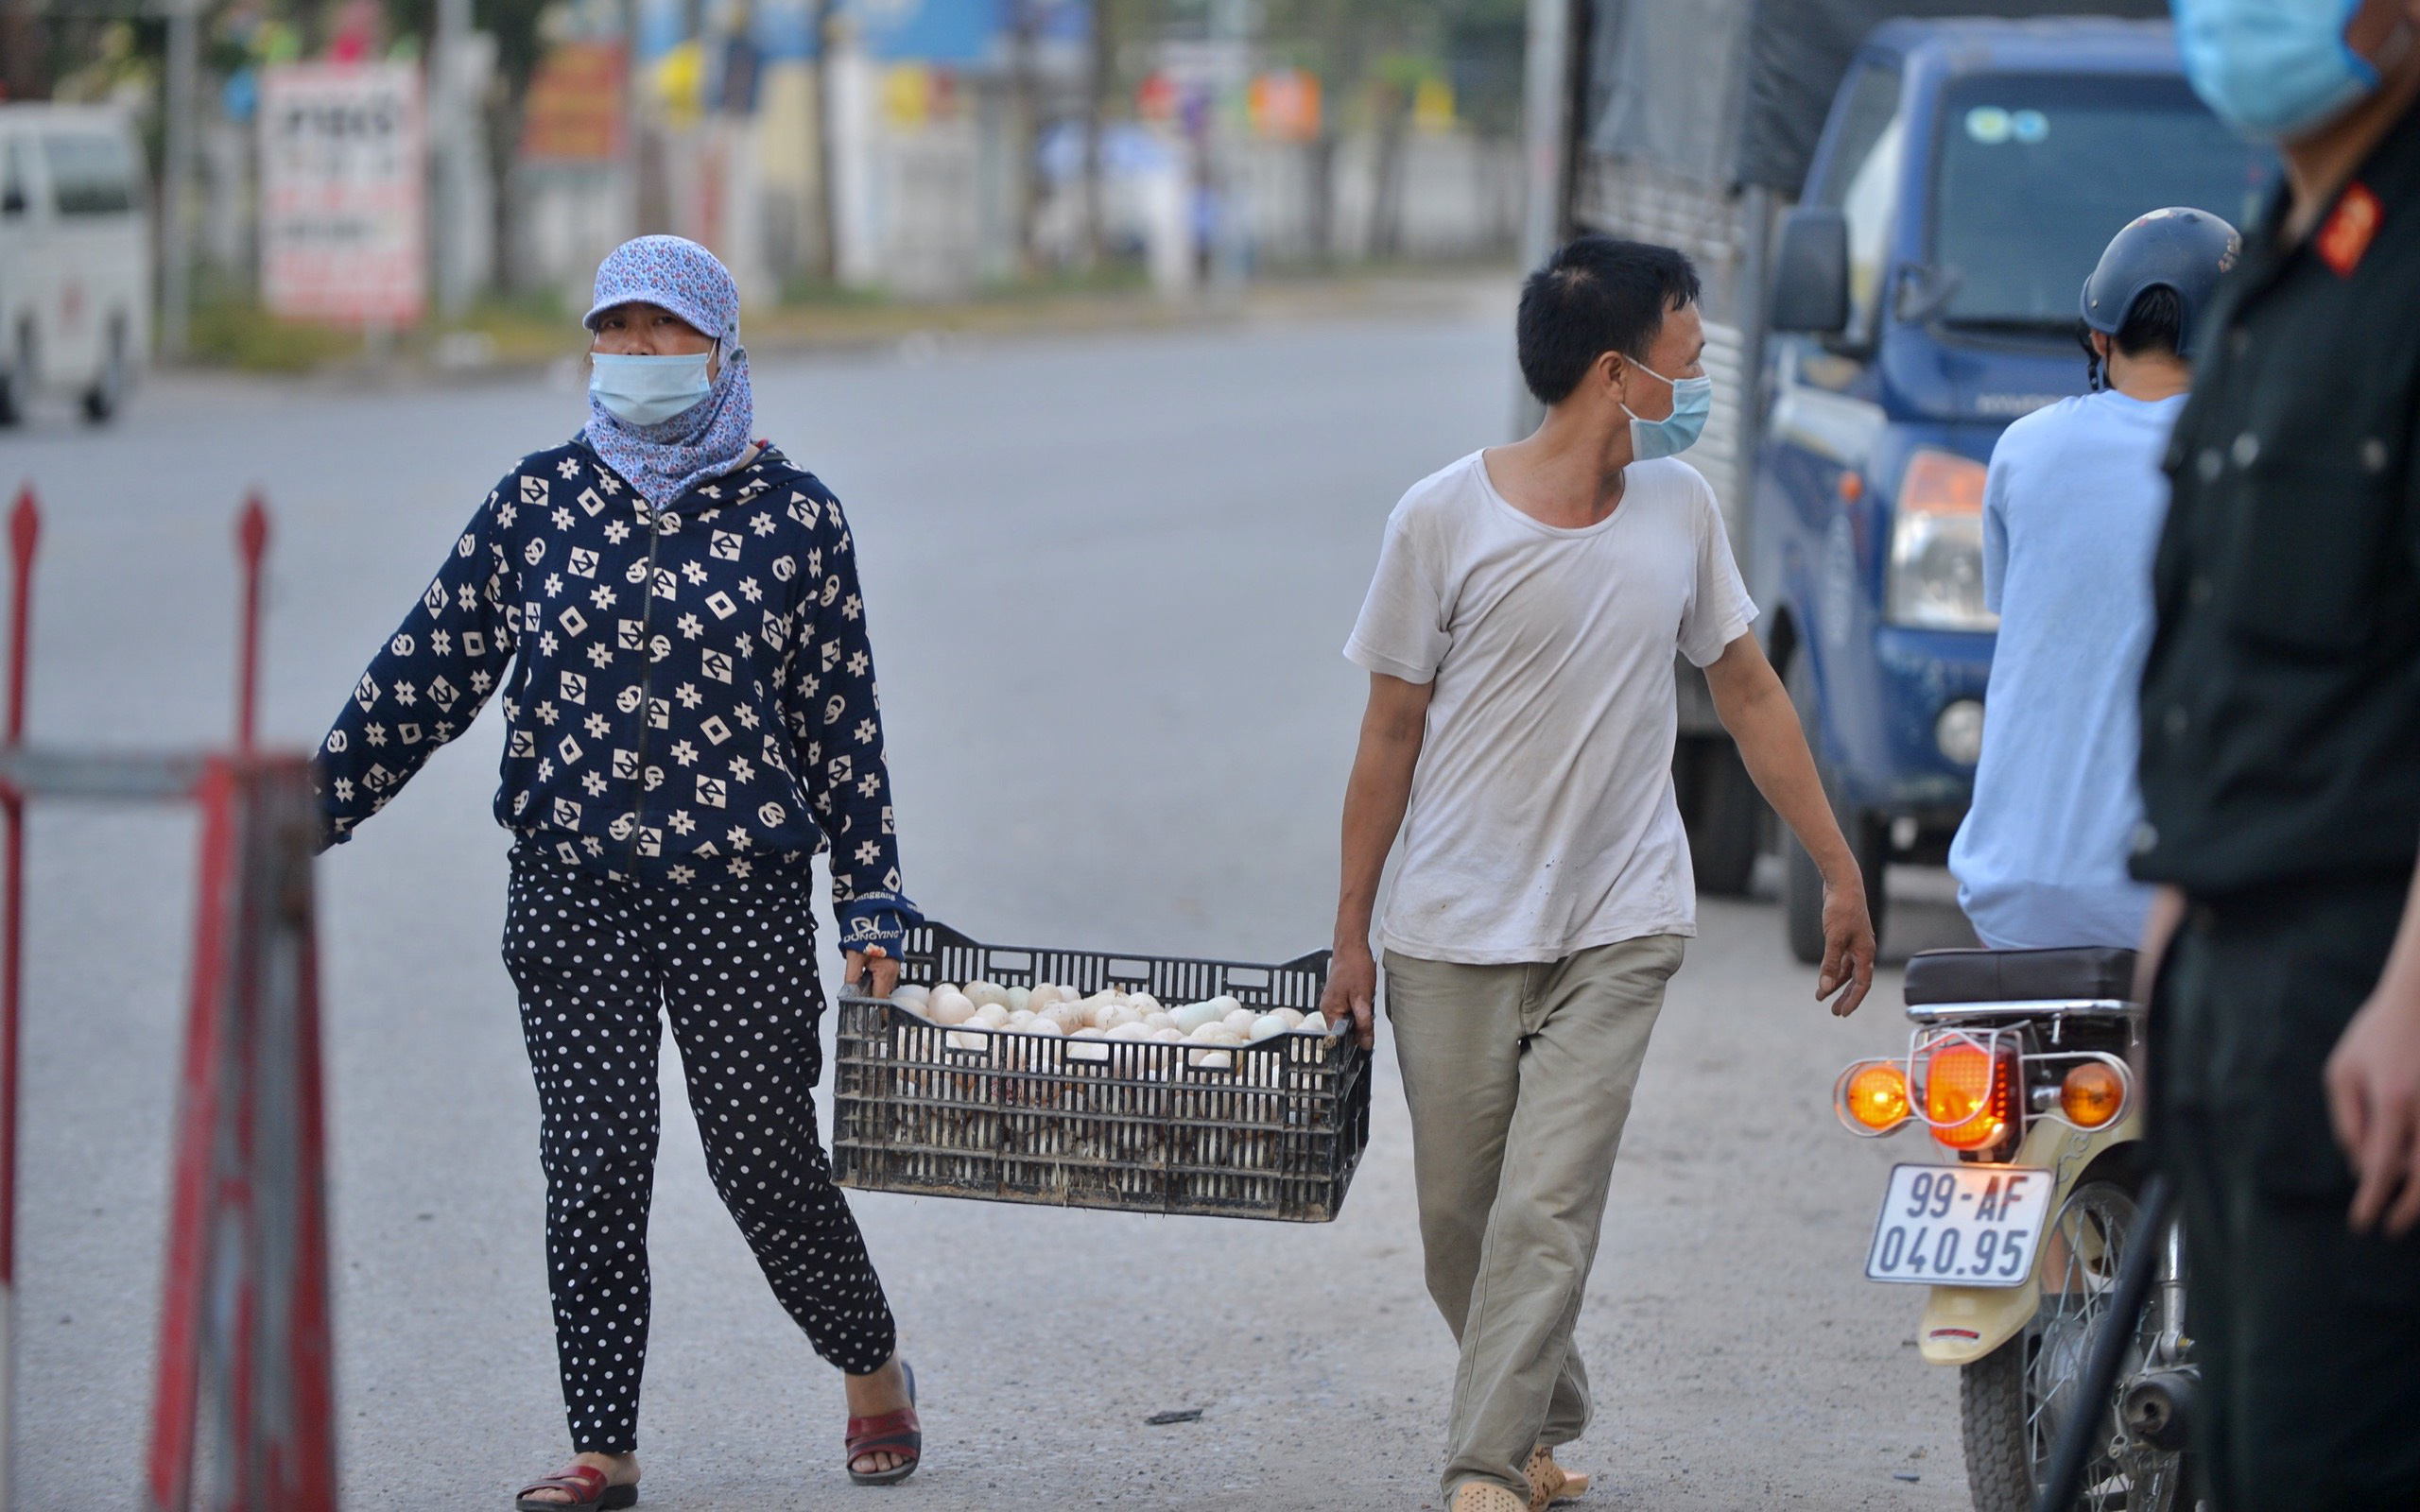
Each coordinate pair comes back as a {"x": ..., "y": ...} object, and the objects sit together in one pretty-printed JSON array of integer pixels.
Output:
[
  {"x": 886, "y": 969},
  {"x": 1352, "y": 987}
]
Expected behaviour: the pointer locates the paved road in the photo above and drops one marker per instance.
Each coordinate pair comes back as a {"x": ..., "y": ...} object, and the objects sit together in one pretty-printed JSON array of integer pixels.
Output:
[{"x": 1108, "y": 579}]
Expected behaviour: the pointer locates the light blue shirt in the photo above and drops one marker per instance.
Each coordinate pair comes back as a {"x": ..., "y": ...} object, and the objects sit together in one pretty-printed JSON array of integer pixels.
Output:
[{"x": 2072, "y": 508}]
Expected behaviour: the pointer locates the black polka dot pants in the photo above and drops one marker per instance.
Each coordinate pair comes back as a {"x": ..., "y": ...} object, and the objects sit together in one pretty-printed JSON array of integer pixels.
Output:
[{"x": 734, "y": 962}]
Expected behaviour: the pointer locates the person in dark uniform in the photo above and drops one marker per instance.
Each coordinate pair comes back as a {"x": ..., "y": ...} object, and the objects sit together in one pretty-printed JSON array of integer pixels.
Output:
[{"x": 2281, "y": 778}]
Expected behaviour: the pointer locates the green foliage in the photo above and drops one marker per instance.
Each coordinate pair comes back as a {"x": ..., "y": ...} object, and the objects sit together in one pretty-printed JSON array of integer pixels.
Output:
[{"x": 235, "y": 334}]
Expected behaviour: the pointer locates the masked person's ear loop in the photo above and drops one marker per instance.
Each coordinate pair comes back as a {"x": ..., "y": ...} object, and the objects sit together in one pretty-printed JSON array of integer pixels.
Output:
[{"x": 2093, "y": 377}]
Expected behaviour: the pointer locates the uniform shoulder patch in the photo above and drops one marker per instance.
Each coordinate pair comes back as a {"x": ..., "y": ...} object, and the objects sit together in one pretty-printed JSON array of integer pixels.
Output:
[{"x": 2346, "y": 237}]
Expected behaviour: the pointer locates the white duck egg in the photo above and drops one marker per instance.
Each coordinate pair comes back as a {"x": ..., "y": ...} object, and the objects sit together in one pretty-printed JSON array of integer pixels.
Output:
[
  {"x": 1194, "y": 1015},
  {"x": 982, "y": 992},
  {"x": 1020, "y": 998}
]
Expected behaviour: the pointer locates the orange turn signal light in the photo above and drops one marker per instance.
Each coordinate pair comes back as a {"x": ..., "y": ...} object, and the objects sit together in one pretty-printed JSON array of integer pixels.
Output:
[
  {"x": 1877, "y": 1096},
  {"x": 1967, "y": 1094},
  {"x": 1942, "y": 483},
  {"x": 2092, "y": 1095}
]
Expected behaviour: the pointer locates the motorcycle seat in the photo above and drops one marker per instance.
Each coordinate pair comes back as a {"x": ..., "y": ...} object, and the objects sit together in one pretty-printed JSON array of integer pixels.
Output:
[{"x": 2081, "y": 973}]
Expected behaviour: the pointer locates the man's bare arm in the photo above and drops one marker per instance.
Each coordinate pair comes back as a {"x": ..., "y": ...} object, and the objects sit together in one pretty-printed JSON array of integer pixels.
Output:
[
  {"x": 1375, "y": 796},
  {"x": 1755, "y": 707}
]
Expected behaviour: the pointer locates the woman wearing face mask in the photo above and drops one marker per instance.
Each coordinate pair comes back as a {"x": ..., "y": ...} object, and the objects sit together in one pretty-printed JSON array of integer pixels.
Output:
[{"x": 671, "y": 610}]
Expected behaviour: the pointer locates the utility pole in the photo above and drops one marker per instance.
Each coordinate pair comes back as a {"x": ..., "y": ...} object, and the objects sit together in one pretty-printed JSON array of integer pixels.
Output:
[
  {"x": 176, "y": 179},
  {"x": 1548, "y": 84},
  {"x": 1101, "y": 76},
  {"x": 827, "y": 193},
  {"x": 1231, "y": 33},
  {"x": 449, "y": 119}
]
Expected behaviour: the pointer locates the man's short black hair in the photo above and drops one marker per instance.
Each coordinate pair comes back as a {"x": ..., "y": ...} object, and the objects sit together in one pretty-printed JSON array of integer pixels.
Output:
[
  {"x": 2154, "y": 323},
  {"x": 1596, "y": 295}
]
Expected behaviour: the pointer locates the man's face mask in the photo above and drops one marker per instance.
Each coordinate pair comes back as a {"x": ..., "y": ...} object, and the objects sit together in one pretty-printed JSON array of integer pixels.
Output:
[
  {"x": 1692, "y": 401},
  {"x": 2272, "y": 68}
]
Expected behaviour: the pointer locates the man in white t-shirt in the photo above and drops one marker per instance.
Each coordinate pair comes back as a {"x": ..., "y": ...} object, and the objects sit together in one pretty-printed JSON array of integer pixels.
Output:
[{"x": 1519, "y": 637}]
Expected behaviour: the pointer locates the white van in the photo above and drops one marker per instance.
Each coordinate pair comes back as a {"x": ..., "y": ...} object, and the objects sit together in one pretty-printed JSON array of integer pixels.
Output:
[{"x": 75, "y": 257}]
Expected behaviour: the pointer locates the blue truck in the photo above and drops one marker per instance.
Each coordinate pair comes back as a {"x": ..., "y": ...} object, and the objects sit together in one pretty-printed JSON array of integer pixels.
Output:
[{"x": 1894, "y": 213}]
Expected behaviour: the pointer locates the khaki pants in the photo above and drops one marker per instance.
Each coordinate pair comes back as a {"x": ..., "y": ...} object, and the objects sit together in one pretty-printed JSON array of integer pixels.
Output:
[{"x": 1520, "y": 1080}]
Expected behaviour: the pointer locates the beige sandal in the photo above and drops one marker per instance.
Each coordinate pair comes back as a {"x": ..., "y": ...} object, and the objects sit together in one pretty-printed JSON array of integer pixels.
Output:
[
  {"x": 1479, "y": 1496},
  {"x": 1550, "y": 1483}
]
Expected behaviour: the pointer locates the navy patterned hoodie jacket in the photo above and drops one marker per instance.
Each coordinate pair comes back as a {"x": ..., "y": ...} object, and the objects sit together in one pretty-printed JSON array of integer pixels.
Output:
[{"x": 689, "y": 692}]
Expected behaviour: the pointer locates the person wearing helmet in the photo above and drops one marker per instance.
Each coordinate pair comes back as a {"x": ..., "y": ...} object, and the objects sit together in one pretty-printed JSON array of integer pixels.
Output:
[{"x": 2072, "y": 507}]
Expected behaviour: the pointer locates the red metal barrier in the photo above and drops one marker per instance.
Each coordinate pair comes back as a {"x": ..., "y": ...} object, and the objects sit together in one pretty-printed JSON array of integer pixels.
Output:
[
  {"x": 246, "y": 1298},
  {"x": 25, "y": 526},
  {"x": 252, "y": 544},
  {"x": 244, "y": 1325}
]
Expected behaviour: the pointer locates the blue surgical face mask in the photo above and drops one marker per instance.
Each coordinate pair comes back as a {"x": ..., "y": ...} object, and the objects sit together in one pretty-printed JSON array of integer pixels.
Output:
[
  {"x": 1692, "y": 401},
  {"x": 2272, "y": 68},
  {"x": 648, "y": 390}
]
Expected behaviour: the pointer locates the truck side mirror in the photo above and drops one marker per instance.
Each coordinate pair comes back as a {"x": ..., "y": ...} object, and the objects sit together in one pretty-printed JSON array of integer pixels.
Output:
[
  {"x": 13, "y": 203},
  {"x": 1811, "y": 272}
]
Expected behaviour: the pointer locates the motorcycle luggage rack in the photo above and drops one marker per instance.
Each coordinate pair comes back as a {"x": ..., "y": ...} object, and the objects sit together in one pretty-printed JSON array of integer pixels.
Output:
[{"x": 2029, "y": 1008}]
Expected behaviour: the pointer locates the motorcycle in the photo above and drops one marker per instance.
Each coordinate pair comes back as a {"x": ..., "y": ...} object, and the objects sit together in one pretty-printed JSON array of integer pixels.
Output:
[{"x": 2019, "y": 1067}]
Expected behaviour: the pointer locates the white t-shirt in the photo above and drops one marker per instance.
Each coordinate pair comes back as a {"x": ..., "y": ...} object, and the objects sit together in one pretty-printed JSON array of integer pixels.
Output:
[{"x": 1542, "y": 819}]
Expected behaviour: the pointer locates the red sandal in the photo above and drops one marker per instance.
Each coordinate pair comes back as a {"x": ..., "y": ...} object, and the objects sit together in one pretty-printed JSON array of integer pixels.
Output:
[
  {"x": 588, "y": 1489},
  {"x": 893, "y": 1432}
]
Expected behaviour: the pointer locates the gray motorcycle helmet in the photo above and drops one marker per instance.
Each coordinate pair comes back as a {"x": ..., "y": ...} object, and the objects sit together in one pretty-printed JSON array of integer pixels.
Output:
[{"x": 2180, "y": 248}]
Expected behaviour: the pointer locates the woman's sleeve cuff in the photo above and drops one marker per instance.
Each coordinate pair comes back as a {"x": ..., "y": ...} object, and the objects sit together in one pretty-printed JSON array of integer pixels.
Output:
[{"x": 877, "y": 920}]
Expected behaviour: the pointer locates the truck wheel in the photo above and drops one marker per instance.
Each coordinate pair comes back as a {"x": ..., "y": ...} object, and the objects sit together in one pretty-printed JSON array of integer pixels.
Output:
[
  {"x": 1723, "y": 812},
  {"x": 1802, "y": 883},
  {"x": 2014, "y": 1402},
  {"x": 17, "y": 379},
  {"x": 108, "y": 392}
]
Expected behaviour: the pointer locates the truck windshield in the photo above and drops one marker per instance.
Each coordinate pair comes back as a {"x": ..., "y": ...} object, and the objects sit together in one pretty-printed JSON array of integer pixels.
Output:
[{"x": 2035, "y": 173}]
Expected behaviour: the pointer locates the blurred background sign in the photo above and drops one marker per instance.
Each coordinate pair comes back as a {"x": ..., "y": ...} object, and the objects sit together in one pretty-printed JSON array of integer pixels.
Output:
[
  {"x": 577, "y": 104},
  {"x": 931, "y": 31},
  {"x": 343, "y": 204}
]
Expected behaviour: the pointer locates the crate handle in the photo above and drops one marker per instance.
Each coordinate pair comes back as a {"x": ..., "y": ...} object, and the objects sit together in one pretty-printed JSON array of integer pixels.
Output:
[
  {"x": 1251, "y": 978},
  {"x": 1127, "y": 970},
  {"x": 1008, "y": 960}
]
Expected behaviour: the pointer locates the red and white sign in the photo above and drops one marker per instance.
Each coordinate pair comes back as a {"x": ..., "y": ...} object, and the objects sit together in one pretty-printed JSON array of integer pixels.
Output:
[{"x": 344, "y": 214}]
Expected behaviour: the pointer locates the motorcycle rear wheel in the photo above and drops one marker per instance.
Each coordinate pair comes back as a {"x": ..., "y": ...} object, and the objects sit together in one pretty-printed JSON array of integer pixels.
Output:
[{"x": 2009, "y": 1402}]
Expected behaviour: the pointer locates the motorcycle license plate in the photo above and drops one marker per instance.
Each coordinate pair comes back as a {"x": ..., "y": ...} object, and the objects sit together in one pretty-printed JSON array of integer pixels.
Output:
[{"x": 1960, "y": 1224}]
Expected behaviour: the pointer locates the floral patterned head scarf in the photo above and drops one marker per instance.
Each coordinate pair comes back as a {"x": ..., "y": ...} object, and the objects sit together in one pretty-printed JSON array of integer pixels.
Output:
[{"x": 666, "y": 460}]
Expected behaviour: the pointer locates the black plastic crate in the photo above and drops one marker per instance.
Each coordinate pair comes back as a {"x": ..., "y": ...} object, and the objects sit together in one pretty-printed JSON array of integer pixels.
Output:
[{"x": 1129, "y": 1125}]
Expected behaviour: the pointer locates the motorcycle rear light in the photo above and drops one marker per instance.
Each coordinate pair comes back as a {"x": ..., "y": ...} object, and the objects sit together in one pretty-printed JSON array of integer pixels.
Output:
[
  {"x": 2092, "y": 1095},
  {"x": 1967, "y": 1087},
  {"x": 1873, "y": 1097}
]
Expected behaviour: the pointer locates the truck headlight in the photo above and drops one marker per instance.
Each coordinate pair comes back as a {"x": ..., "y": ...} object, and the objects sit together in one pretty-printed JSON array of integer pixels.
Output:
[
  {"x": 1936, "y": 575},
  {"x": 1959, "y": 732}
]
